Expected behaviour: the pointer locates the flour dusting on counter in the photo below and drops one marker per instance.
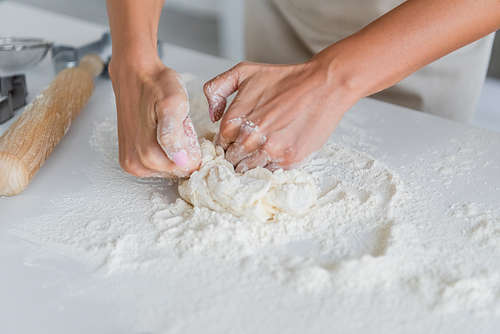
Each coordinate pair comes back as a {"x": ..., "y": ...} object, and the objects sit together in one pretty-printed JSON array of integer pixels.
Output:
[{"x": 380, "y": 250}]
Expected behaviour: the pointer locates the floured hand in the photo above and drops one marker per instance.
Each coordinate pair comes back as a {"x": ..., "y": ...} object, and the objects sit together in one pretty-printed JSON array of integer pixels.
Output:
[
  {"x": 281, "y": 114},
  {"x": 156, "y": 137}
]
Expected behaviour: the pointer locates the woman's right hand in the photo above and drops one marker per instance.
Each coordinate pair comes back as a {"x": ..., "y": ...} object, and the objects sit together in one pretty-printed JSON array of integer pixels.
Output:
[{"x": 156, "y": 137}]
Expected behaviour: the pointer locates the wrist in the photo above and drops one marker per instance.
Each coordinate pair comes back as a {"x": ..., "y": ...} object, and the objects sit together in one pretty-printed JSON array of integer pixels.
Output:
[
  {"x": 338, "y": 75},
  {"x": 358, "y": 67},
  {"x": 134, "y": 29},
  {"x": 135, "y": 63}
]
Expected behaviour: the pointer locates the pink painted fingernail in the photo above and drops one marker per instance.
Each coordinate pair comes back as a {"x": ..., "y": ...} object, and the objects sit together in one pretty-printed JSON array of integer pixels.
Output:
[{"x": 180, "y": 158}]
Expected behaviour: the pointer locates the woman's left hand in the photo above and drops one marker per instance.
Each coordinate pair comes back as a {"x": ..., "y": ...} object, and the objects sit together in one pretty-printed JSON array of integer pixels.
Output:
[{"x": 281, "y": 113}]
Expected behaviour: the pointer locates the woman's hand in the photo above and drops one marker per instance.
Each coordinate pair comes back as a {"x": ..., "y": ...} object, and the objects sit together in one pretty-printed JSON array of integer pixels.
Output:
[
  {"x": 281, "y": 114},
  {"x": 156, "y": 137}
]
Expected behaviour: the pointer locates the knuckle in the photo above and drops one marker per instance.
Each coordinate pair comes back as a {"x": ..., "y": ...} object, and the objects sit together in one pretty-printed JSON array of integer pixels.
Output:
[
  {"x": 274, "y": 148},
  {"x": 236, "y": 153},
  {"x": 240, "y": 66},
  {"x": 228, "y": 126},
  {"x": 247, "y": 142},
  {"x": 223, "y": 128},
  {"x": 207, "y": 87},
  {"x": 251, "y": 142},
  {"x": 271, "y": 145},
  {"x": 232, "y": 152},
  {"x": 244, "y": 64},
  {"x": 222, "y": 142},
  {"x": 225, "y": 135},
  {"x": 268, "y": 149},
  {"x": 291, "y": 155},
  {"x": 292, "y": 159}
]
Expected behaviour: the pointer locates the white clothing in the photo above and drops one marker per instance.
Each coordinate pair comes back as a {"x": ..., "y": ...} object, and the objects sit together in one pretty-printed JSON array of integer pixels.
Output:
[{"x": 292, "y": 31}]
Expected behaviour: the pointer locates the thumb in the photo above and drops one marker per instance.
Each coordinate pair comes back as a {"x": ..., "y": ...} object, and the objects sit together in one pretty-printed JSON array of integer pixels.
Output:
[
  {"x": 170, "y": 131},
  {"x": 220, "y": 88}
]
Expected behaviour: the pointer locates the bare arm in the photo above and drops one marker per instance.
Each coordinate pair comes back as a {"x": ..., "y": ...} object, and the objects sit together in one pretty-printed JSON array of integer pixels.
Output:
[
  {"x": 156, "y": 138},
  {"x": 282, "y": 114},
  {"x": 409, "y": 37},
  {"x": 134, "y": 27}
]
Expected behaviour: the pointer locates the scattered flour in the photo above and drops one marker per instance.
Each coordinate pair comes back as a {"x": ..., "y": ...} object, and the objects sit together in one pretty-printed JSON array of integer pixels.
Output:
[
  {"x": 484, "y": 223},
  {"x": 377, "y": 251}
]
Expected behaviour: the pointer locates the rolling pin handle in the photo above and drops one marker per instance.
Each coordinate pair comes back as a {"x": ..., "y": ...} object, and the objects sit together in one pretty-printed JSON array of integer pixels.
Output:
[
  {"x": 93, "y": 64},
  {"x": 25, "y": 146}
]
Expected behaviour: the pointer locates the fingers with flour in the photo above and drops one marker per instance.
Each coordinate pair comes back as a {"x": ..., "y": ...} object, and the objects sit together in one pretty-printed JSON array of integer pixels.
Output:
[
  {"x": 219, "y": 89},
  {"x": 258, "y": 159},
  {"x": 248, "y": 140},
  {"x": 175, "y": 132}
]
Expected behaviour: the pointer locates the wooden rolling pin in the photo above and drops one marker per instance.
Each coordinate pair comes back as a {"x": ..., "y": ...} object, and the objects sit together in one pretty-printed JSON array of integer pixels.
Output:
[{"x": 25, "y": 146}]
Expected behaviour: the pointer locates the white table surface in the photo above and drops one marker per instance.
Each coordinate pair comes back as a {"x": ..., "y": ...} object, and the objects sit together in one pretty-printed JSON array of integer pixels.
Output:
[{"x": 32, "y": 296}]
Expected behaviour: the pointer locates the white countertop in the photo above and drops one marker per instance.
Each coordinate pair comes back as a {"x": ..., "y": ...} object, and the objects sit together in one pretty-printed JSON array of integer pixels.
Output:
[{"x": 38, "y": 283}]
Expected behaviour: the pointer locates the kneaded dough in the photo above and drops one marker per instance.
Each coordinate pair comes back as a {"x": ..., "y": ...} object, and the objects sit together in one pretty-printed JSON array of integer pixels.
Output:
[{"x": 256, "y": 194}]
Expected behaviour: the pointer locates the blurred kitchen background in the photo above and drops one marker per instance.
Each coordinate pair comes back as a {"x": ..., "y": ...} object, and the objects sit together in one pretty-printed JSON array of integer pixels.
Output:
[{"x": 217, "y": 27}]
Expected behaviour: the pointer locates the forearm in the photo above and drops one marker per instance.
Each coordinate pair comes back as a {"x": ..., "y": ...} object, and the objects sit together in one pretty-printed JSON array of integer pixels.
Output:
[
  {"x": 134, "y": 27},
  {"x": 407, "y": 38}
]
